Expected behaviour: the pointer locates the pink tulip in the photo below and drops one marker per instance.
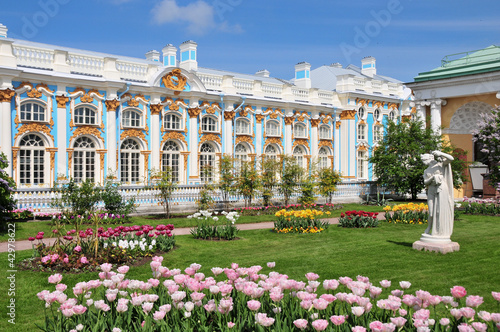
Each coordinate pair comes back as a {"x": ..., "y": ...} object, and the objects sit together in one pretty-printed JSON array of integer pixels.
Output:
[
  {"x": 106, "y": 267},
  {"x": 444, "y": 321},
  {"x": 311, "y": 276},
  {"x": 422, "y": 314},
  {"x": 398, "y": 321},
  {"x": 467, "y": 312},
  {"x": 79, "y": 309},
  {"x": 253, "y": 305},
  {"x": 271, "y": 265},
  {"x": 404, "y": 284},
  {"x": 230, "y": 325},
  {"x": 159, "y": 315},
  {"x": 55, "y": 278},
  {"x": 495, "y": 317},
  {"x": 457, "y": 313},
  {"x": 358, "y": 329},
  {"x": 496, "y": 295},
  {"x": 337, "y": 320},
  {"x": 480, "y": 327},
  {"x": 377, "y": 326},
  {"x": 484, "y": 315},
  {"x": 320, "y": 304},
  {"x": 330, "y": 284},
  {"x": 357, "y": 311},
  {"x": 300, "y": 323},
  {"x": 320, "y": 324},
  {"x": 385, "y": 283},
  {"x": 473, "y": 301},
  {"x": 464, "y": 327},
  {"x": 84, "y": 260},
  {"x": 123, "y": 269},
  {"x": 458, "y": 292}
]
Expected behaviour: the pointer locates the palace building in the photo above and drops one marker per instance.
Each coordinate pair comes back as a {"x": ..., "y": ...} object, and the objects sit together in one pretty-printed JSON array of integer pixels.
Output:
[{"x": 70, "y": 113}]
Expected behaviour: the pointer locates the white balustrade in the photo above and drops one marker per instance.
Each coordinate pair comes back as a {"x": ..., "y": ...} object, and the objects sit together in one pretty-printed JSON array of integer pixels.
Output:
[
  {"x": 34, "y": 57},
  {"x": 272, "y": 89},
  {"x": 301, "y": 93},
  {"x": 132, "y": 71},
  {"x": 243, "y": 85},
  {"x": 87, "y": 65},
  {"x": 211, "y": 81}
]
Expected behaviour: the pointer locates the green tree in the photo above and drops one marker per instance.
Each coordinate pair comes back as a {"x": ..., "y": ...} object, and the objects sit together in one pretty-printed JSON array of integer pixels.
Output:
[
  {"x": 328, "y": 179},
  {"x": 227, "y": 179},
  {"x": 290, "y": 175},
  {"x": 397, "y": 163},
  {"x": 248, "y": 181},
  {"x": 113, "y": 201},
  {"x": 268, "y": 178},
  {"x": 7, "y": 186},
  {"x": 164, "y": 183},
  {"x": 77, "y": 198},
  {"x": 206, "y": 201},
  {"x": 488, "y": 137}
]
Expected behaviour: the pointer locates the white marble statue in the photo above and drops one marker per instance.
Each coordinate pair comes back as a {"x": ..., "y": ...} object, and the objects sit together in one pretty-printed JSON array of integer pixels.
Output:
[{"x": 438, "y": 179}]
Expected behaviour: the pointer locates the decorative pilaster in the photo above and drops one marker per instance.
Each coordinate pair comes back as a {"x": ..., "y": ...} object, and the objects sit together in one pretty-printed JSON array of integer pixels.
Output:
[
  {"x": 62, "y": 139},
  {"x": 111, "y": 106},
  {"x": 348, "y": 144},
  {"x": 185, "y": 156},
  {"x": 155, "y": 135},
  {"x": 336, "y": 146},
  {"x": 227, "y": 139},
  {"x": 436, "y": 115},
  {"x": 52, "y": 173},
  {"x": 288, "y": 134},
  {"x": 15, "y": 150},
  {"x": 314, "y": 138},
  {"x": 6, "y": 131},
  {"x": 193, "y": 143},
  {"x": 145, "y": 155},
  {"x": 102, "y": 155},
  {"x": 258, "y": 132}
]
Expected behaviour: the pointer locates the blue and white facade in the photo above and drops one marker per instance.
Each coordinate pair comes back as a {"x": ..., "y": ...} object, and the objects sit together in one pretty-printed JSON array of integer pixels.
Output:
[{"x": 86, "y": 115}]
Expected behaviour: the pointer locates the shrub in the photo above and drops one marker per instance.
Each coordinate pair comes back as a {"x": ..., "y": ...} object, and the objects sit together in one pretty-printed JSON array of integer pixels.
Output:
[
  {"x": 77, "y": 198},
  {"x": 7, "y": 186},
  {"x": 307, "y": 192},
  {"x": 358, "y": 219},
  {"x": 165, "y": 186},
  {"x": 409, "y": 213},
  {"x": 18, "y": 214},
  {"x": 300, "y": 221},
  {"x": 328, "y": 179},
  {"x": 113, "y": 201},
  {"x": 480, "y": 206},
  {"x": 209, "y": 227}
]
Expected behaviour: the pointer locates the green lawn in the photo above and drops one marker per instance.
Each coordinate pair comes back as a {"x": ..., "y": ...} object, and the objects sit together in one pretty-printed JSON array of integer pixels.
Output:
[{"x": 380, "y": 253}]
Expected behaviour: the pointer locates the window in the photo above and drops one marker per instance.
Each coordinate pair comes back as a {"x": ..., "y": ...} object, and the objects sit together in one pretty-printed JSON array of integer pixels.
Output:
[
  {"x": 324, "y": 132},
  {"x": 85, "y": 116},
  {"x": 131, "y": 119},
  {"x": 242, "y": 127},
  {"x": 32, "y": 112},
  {"x": 170, "y": 159},
  {"x": 129, "y": 157},
  {"x": 362, "y": 164},
  {"x": 272, "y": 128},
  {"x": 323, "y": 157},
  {"x": 208, "y": 123},
  {"x": 376, "y": 115},
  {"x": 298, "y": 154},
  {"x": 377, "y": 133},
  {"x": 207, "y": 162},
  {"x": 271, "y": 151},
  {"x": 361, "y": 113},
  {"x": 240, "y": 155},
  {"x": 84, "y": 159},
  {"x": 361, "y": 131},
  {"x": 299, "y": 130},
  {"x": 392, "y": 115},
  {"x": 31, "y": 160},
  {"x": 172, "y": 121}
]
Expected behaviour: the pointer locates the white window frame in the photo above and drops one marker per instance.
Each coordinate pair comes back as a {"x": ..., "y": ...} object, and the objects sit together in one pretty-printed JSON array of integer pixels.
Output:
[
  {"x": 206, "y": 126},
  {"x": 361, "y": 113},
  {"x": 89, "y": 107},
  {"x": 323, "y": 154},
  {"x": 299, "y": 157},
  {"x": 377, "y": 114},
  {"x": 89, "y": 160},
  {"x": 378, "y": 133},
  {"x": 391, "y": 116},
  {"x": 130, "y": 161},
  {"x": 23, "y": 114},
  {"x": 207, "y": 158},
  {"x": 362, "y": 132},
  {"x": 274, "y": 155},
  {"x": 171, "y": 157},
  {"x": 302, "y": 134},
  {"x": 326, "y": 130},
  {"x": 167, "y": 123},
  {"x": 130, "y": 121},
  {"x": 362, "y": 164},
  {"x": 242, "y": 129},
  {"x": 278, "y": 128},
  {"x": 33, "y": 160}
]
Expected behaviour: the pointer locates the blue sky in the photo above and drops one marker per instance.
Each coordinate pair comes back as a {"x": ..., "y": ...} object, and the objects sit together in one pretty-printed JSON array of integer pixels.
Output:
[{"x": 405, "y": 36}]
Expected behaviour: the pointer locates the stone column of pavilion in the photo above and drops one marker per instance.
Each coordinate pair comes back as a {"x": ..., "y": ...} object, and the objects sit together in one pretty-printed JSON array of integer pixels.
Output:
[
  {"x": 314, "y": 138},
  {"x": 348, "y": 144},
  {"x": 258, "y": 132},
  {"x": 227, "y": 138},
  {"x": 288, "y": 134},
  {"x": 62, "y": 138},
  {"x": 6, "y": 129},
  {"x": 155, "y": 134},
  {"x": 336, "y": 144},
  {"x": 436, "y": 115},
  {"x": 111, "y": 106},
  {"x": 194, "y": 112}
]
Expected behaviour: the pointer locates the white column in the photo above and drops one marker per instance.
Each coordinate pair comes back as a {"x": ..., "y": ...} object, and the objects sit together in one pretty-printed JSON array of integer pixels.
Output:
[
  {"x": 436, "y": 115},
  {"x": 352, "y": 147},
  {"x": 259, "y": 141},
  {"x": 421, "y": 112},
  {"x": 111, "y": 106},
  {"x": 6, "y": 132},
  {"x": 194, "y": 112},
  {"x": 227, "y": 138},
  {"x": 155, "y": 136},
  {"x": 314, "y": 139},
  {"x": 288, "y": 135},
  {"x": 62, "y": 138},
  {"x": 336, "y": 145}
]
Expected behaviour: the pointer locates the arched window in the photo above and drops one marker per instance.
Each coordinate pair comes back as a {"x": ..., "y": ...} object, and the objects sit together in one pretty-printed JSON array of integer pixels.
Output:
[
  {"x": 170, "y": 159},
  {"x": 361, "y": 131},
  {"x": 84, "y": 159},
  {"x": 240, "y": 155},
  {"x": 271, "y": 152},
  {"x": 298, "y": 154},
  {"x": 323, "y": 157},
  {"x": 129, "y": 157},
  {"x": 131, "y": 119},
  {"x": 31, "y": 160},
  {"x": 392, "y": 115},
  {"x": 208, "y": 123},
  {"x": 299, "y": 130},
  {"x": 361, "y": 113},
  {"x": 324, "y": 132},
  {"x": 32, "y": 111},
  {"x": 207, "y": 162},
  {"x": 362, "y": 164},
  {"x": 172, "y": 121},
  {"x": 376, "y": 115},
  {"x": 377, "y": 133},
  {"x": 242, "y": 126},
  {"x": 85, "y": 115},
  {"x": 272, "y": 128}
]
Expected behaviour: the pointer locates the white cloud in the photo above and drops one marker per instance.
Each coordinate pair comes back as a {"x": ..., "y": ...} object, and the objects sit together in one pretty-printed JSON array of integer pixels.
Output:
[{"x": 199, "y": 17}]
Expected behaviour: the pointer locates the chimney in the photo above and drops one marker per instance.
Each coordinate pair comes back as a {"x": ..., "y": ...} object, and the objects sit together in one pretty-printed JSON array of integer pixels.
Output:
[
  {"x": 188, "y": 55},
  {"x": 263, "y": 73},
  {"x": 303, "y": 75},
  {"x": 368, "y": 66},
  {"x": 169, "y": 56},
  {"x": 153, "y": 56},
  {"x": 3, "y": 31}
]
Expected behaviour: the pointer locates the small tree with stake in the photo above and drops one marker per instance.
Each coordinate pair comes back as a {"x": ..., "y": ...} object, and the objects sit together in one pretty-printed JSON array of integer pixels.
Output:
[{"x": 164, "y": 183}]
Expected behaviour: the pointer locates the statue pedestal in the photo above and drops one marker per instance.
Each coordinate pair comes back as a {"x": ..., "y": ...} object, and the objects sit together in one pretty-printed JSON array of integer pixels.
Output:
[{"x": 435, "y": 243}]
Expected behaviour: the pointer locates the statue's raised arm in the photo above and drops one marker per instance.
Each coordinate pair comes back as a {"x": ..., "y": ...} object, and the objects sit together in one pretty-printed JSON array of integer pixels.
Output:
[{"x": 443, "y": 157}]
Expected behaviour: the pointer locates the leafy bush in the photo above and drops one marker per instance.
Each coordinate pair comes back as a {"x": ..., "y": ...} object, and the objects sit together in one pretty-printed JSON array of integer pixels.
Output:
[
  {"x": 480, "y": 206},
  {"x": 7, "y": 186},
  {"x": 113, "y": 201},
  {"x": 77, "y": 198},
  {"x": 300, "y": 221},
  {"x": 22, "y": 214},
  {"x": 328, "y": 179},
  {"x": 358, "y": 219},
  {"x": 409, "y": 213},
  {"x": 209, "y": 227},
  {"x": 307, "y": 192}
]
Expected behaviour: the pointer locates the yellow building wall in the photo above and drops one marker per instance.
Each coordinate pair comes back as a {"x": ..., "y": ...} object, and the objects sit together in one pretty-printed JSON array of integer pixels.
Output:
[{"x": 463, "y": 141}]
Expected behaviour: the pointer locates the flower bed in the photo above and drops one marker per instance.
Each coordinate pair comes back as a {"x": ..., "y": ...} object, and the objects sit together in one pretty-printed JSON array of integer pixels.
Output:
[
  {"x": 208, "y": 228},
  {"x": 300, "y": 221},
  {"x": 265, "y": 210},
  {"x": 86, "y": 249},
  {"x": 22, "y": 214},
  {"x": 410, "y": 213},
  {"x": 358, "y": 219},
  {"x": 105, "y": 218},
  {"x": 245, "y": 299},
  {"x": 480, "y": 206}
]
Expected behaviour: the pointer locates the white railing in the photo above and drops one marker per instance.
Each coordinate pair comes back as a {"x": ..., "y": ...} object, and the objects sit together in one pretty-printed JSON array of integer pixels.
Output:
[
  {"x": 87, "y": 65},
  {"x": 34, "y": 57},
  {"x": 376, "y": 85},
  {"x": 132, "y": 71},
  {"x": 211, "y": 81},
  {"x": 325, "y": 95},
  {"x": 244, "y": 85},
  {"x": 393, "y": 87},
  {"x": 359, "y": 82},
  {"x": 272, "y": 89},
  {"x": 301, "y": 93}
]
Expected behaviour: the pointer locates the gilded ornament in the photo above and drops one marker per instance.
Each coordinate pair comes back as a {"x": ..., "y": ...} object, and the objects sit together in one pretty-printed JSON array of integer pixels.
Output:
[
  {"x": 112, "y": 105},
  {"x": 34, "y": 127},
  {"x": 347, "y": 115},
  {"x": 259, "y": 117},
  {"x": 362, "y": 148},
  {"x": 133, "y": 102},
  {"x": 337, "y": 125},
  {"x": 70, "y": 157},
  {"x": 87, "y": 130},
  {"x": 174, "y": 80},
  {"x": 173, "y": 135},
  {"x": 326, "y": 120},
  {"x": 273, "y": 140},
  {"x": 289, "y": 120},
  {"x": 15, "y": 150},
  {"x": 393, "y": 106},
  {"x": 51, "y": 123},
  {"x": 45, "y": 87},
  {"x": 229, "y": 115},
  {"x": 16, "y": 120},
  {"x": 34, "y": 93},
  {"x": 156, "y": 109},
  {"x": 300, "y": 142},
  {"x": 133, "y": 133},
  {"x": 194, "y": 112},
  {"x": 6, "y": 95},
  {"x": 363, "y": 102},
  {"x": 244, "y": 138},
  {"x": 61, "y": 101},
  {"x": 327, "y": 143},
  {"x": 378, "y": 104},
  {"x": 315, "y": 122},
  {"x": 185, "y": 155}
]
